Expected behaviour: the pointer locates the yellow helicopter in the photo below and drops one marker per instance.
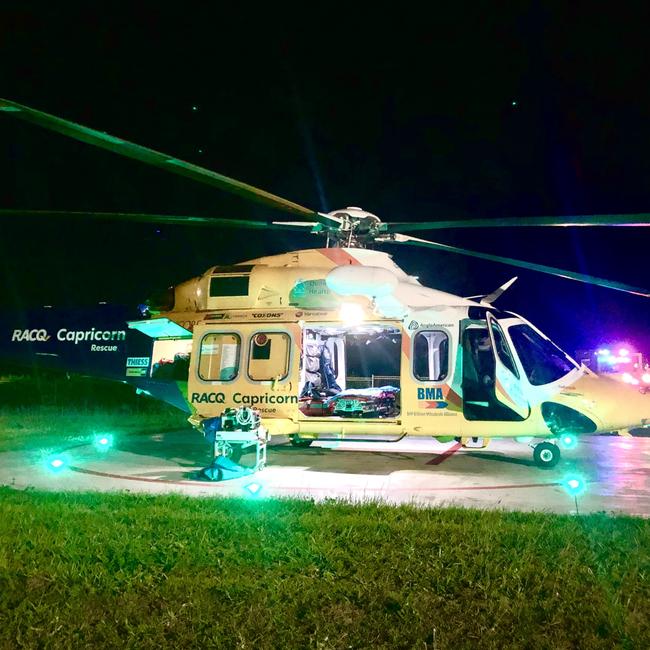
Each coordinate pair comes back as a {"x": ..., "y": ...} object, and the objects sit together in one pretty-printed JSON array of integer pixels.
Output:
[{"x": 339, "y": 342}]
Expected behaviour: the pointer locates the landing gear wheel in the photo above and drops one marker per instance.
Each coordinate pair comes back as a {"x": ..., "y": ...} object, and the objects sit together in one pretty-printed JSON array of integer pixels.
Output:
[
  {"x": 546, "y": 454},
  {"x": 297, "y": 441}
]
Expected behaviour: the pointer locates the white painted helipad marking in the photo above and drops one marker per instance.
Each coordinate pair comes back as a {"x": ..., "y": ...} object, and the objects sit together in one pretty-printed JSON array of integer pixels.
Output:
[{"x": 501, "y": 476}]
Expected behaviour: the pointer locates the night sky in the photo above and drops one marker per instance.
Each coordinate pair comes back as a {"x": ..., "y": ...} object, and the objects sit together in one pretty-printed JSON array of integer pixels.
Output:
[{"x": 476, "y": 113}]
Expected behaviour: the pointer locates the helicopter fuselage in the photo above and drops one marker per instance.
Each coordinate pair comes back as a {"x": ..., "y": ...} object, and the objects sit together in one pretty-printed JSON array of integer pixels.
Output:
[{"x": 343, "y": 343}]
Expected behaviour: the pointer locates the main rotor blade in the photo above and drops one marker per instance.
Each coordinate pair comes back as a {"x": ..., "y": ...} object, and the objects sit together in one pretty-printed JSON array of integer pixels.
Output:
[
  {"x": 571, "y": 275},
  {"x": 164, "y": 219},
  {"x": 155, "y": 158},
  {"x": 642, "y": 219}
]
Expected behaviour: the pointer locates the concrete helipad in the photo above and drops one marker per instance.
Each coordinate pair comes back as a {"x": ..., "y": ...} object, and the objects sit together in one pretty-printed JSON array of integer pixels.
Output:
[{"x": 616, "y": 470}]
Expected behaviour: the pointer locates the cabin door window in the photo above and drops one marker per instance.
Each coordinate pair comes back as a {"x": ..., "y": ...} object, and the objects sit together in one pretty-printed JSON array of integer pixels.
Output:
[
  {"x": 268, "y": 356},
  {"x": 219, "y": 356},
  {"x": 431, "y": 356}
]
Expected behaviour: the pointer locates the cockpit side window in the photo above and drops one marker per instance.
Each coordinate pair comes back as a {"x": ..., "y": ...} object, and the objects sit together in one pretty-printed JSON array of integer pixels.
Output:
[
  {"x": 503, "y": 349},
  {"x": 542, "y": 360}
]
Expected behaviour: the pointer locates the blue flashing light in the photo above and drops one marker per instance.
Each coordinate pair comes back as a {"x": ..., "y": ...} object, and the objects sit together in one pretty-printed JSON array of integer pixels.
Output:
[
  {"x": 568, "y": 441},
  {"x": 253, "y": 488},
  {"x": 574, "y": 485}
]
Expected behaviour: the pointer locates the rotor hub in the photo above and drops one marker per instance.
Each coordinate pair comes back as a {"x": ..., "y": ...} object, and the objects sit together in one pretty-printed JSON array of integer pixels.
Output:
[{"x": 356, "y": 227}]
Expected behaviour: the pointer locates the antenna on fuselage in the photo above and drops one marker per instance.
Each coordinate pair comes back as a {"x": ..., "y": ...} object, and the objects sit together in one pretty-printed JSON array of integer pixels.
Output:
[{"x": 497, "y": 293}]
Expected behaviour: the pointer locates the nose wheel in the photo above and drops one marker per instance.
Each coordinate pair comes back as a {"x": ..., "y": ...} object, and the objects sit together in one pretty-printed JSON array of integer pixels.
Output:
[{"x": 546, "y": 454}]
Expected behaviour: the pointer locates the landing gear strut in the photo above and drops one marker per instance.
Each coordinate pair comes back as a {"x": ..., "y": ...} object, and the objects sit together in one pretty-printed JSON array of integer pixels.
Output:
[{"x": 546, "y": 454}]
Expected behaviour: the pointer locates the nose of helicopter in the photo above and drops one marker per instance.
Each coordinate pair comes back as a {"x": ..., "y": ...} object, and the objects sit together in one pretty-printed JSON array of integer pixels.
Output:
[{"x": 618, "y": 405}]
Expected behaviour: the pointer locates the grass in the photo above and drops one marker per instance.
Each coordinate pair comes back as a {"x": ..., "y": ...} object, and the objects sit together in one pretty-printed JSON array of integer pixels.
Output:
[
  {"x": 53, "y": 427},
  {"x": 144, "y": 571},
  {"x": 51, "y": 410}
]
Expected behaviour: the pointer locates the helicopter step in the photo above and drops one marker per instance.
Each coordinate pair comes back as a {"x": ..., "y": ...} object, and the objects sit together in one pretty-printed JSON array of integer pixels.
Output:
[{"x": 474, "y": 442}]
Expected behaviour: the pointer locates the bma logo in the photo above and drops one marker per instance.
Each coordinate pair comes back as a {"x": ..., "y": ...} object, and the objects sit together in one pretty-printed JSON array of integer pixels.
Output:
[
  {"x": 433, "y": 396},
  {"x": 30, "y": 335},
  {"x": 430, "y": 393}
]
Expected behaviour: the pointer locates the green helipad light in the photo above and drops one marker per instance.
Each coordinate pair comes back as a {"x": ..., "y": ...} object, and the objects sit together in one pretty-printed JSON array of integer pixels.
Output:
[
  {"x": 103, "y": 441},
  {"x": 56, "y": 463},
  {"x": 574, "y": 485},
  {"x": 569, "y": 441},
  {"x": 253, "y": 488}
]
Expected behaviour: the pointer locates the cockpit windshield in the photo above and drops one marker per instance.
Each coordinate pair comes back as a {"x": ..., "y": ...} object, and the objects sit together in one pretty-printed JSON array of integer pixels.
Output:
[{"x": 542, "y": 360}]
